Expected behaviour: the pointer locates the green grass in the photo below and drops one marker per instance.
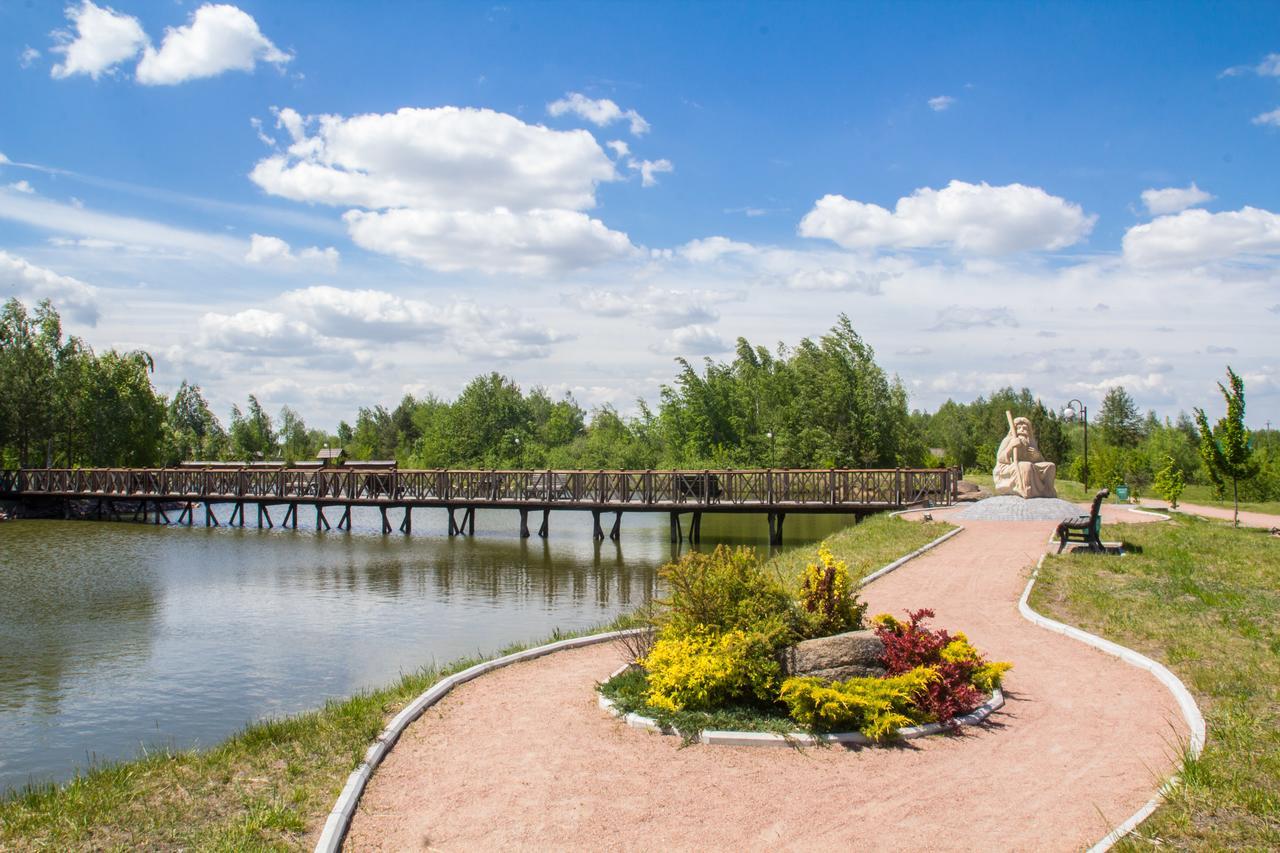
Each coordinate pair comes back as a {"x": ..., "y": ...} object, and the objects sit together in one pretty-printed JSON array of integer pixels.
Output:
[
  {"x": 1199, "y": 494},
  {"x": 271, "y": 786},
  {"x": 1204, "y": 599}
]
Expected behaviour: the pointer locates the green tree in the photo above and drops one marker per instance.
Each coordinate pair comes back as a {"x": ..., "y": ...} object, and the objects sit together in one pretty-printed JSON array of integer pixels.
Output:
[
  {"x": 1225, "y": 448},
  {"x": 252, "y": 435},
  {"x": 1119, "y": 419},
  {"x": 1170, "y": 482},
  {"x": 192, "y": 430}
]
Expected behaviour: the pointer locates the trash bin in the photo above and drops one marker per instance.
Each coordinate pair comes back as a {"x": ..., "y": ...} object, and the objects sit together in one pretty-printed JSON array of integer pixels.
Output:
[{"x": 1122, "y": 494}]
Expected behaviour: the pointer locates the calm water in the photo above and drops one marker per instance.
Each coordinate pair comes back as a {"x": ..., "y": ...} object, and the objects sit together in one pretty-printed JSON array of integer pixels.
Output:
[{"x": 119, "y": 636}]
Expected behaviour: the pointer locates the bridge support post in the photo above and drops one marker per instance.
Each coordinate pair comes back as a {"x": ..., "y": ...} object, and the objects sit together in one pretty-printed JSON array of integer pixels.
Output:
[
  {"x": 775, "y": 527},
  {"x": 344, "y": 523},
  {"x": 265, "y": 512},
  {"x": 453, "y": 524},
  {"x": 524, "y": 523},
  {"x": 210, "y": 520},
  {"x": 386, "y": 525},
  {"x": 471, "y": 521},
  {"x": 677, "y": 532},
  {"x": 695, "y": 529},
  {"x": 291, "y": 517},
  {"x": 320, "y": 519},
  {"x": 616, "y": 533},
  {"x": 406, "y": 524},
  {"x": 545, "y": 530},
  {"x": 597, "y": 533}
]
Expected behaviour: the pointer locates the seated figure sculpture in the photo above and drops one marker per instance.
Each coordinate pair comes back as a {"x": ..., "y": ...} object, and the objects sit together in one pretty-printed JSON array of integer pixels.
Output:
[{"x": 1021, "y": 468}]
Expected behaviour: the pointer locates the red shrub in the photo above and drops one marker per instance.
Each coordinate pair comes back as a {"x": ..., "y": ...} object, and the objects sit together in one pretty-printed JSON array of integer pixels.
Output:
[{"x": 909, "y": 645}]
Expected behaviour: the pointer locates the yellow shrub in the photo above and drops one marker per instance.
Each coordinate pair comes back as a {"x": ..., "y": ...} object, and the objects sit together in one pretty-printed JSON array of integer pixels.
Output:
[
  {"x": 827, "y": 596},
  {"x": 877, "y": 707},
  {"x": 986, "y": 674},
  {"x": 701, "y": 670}
]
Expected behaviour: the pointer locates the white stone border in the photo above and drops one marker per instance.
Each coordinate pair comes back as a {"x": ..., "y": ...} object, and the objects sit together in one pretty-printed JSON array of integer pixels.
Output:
[
  {"x": 1186, "y": 702},
  {"x": 339, "y": 820},
  {"x": 712, "y": 737}
]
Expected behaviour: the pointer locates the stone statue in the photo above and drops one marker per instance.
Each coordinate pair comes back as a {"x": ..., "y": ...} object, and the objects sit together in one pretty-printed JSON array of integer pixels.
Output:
[{"x": 1021, "y": 468}]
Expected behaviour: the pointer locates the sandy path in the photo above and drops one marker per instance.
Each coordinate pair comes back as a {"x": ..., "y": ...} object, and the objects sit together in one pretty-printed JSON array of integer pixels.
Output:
[
  {"x": 523, "y": 758},
  {"x": 1247, "y": 519}
]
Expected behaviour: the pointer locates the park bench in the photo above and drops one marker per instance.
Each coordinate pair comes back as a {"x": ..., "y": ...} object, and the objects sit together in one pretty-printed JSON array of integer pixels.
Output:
[{"x": 1085, "y": 528}]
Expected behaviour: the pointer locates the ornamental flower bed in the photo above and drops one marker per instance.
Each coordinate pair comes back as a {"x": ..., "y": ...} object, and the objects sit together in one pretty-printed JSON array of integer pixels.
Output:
[{"x": 720, "y": 652}]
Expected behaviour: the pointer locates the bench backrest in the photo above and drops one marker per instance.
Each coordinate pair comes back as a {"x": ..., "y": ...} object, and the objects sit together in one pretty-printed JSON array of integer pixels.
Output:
[{"x": 1095, "y": 512}]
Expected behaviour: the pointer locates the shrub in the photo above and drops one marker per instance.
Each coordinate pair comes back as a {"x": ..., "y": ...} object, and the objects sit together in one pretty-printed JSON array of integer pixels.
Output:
[
  {"x": 702, "y": 670},
  {"x": 723, "y": 591},
  {"x": 1170, "y": 481},
  {"x": 963, "y": 673},
  {"x": 875, "y": 706},
  {"x": 826, "y": 595}
]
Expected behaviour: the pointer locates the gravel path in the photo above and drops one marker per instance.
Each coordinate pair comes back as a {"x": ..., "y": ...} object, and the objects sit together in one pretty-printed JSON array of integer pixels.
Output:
[
  {"x": 1247, "y": 519},
  {"x": 522, "y": 758}
]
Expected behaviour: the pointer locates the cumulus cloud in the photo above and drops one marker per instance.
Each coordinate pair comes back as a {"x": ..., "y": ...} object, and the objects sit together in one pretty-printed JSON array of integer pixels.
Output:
[
  {"x": 535, "y": 242},
  {"x": 975, "y": 218},
  {"x": 22, "y": 279},
  {"x": 257, "y": 332},
  {"x": 708, "y": 249},
  {"x": 649, "y": 168},
  {"x": 1268, "y": 67},
  {"x": 99, "y": 39},
  {"x": 372, "y": 315},
  {"x": 1174, "y": 199},
  {"x": 618, "y": 147},
  {"x": 452, "y": 188},
  {"x": 600, "y": 112},
  {"x": 1198, "y": 237},
  {"x": 22, "y": 187},
  {"x": 692, "y": 341},
  {"x": 941, "y": 103},
  {"x": 972, "y": 317},
  {"x": 219, "y": 38},
  {"x": 828, "y": 278},
  {"x": 264, "y": 249},
  {"x": 661, "y": 307}
]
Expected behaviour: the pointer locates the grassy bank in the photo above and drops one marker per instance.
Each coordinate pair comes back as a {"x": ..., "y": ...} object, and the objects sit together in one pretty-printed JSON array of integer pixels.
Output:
[
  {"x": 271, "y": 786},
  {"x": 1203, "y": 599}
]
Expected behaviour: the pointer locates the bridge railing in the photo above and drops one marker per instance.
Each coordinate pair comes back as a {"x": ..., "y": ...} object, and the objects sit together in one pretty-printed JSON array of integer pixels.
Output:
[{"x": 782, "y": 487}]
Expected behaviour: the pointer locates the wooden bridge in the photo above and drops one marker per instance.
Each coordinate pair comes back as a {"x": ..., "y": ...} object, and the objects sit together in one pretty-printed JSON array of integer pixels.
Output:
[{"x": 155, "y": 492}]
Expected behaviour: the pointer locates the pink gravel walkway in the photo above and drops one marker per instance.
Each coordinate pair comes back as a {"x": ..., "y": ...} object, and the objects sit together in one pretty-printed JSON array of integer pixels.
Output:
[
  {"x": 522, "y": 758},
  {"x": 1247, "y": 519}
]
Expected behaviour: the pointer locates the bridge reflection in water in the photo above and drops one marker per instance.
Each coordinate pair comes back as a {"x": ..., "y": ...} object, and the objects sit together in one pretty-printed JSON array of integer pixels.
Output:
[{"x": 153, "y": 493}]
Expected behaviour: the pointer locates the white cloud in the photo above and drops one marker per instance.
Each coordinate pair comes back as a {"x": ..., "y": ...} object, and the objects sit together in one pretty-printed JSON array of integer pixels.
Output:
[
  {"x": 102, "y": 39},
  {"x": 498, "y": 333},
  {"x": 619, "y": 148},
  {"x": 1173, "y": 199},
  {"x": 976, "y": 218},
  {"x": 972, "y": 317},
  {"x": 3, "y": 159},
  {"x": 254, "y": 331},
  {"x": 25, "y": 280},
  {"x": 600, "y": 112},
  {"x": 534, "y": 242},
  {"x": 28, "y": 56},
  {"x": 372, "y": 315},
  {"x": 828, "y": 278},
  {"x": 649, "y": 168},
  {"x": 940, "y": 103},
  {"x": 1272, "y": 118},
  {"x": 452, "y": 188},
  {"x": 219, "y": 38},
  {"x": 22, "y": 187},
  {"x": 709, "y": 249},
  {"x": 692, "y": 340},
  {"x": 660, "y": 307},
  {"x": 1197, "y": 237},
  {"x": 265, "y": 249},
  {"x": 1268, "y": 67}
]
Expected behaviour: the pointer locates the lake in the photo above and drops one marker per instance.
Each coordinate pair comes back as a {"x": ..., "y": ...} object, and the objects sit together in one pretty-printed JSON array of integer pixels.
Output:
[{"x": 116, "y": 636}]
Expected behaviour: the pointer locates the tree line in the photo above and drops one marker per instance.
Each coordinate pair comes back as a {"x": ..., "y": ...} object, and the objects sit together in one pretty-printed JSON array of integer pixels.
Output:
[{"x": 824, "y": 402}]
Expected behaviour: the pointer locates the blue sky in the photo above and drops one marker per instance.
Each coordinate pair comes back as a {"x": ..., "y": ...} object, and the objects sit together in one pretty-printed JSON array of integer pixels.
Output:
[{"x": 333, "y": 204}]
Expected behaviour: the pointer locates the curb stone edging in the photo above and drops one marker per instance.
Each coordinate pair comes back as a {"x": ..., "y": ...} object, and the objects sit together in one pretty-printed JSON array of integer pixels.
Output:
[
  {"x": 339, "y": 820},
  {"x": 1186, "y": 702},
  {"x": 898, "y": 563}
]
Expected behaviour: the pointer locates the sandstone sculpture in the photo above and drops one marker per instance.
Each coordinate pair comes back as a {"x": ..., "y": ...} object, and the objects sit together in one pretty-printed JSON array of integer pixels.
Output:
[{"x": 1021, "y": 468}]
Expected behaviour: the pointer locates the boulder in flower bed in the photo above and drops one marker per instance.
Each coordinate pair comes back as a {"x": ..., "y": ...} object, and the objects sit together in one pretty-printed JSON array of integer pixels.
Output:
[{"x": 853, "y": 654}]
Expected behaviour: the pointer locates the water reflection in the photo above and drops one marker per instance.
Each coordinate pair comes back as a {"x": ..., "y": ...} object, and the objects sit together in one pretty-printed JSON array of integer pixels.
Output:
[{"x": 116, "y": 635}]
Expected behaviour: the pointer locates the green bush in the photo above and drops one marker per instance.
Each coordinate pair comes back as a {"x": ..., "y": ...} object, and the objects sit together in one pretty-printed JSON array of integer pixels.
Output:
[
  {"x": 829, "y": 603},
  {"x": 1170, "y": 482},
  {"x": 723, "y": 591},
  {"x": 877, "y": 707}
]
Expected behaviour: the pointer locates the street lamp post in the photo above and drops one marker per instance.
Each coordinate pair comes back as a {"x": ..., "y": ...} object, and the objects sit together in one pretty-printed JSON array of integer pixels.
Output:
[
  {"x": 771, "y": 459},
  {"x": 1069, "y": 412}
]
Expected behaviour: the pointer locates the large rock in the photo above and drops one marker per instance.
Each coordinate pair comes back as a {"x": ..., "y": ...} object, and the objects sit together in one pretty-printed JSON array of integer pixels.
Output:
[{"x": 856, "y": 654}]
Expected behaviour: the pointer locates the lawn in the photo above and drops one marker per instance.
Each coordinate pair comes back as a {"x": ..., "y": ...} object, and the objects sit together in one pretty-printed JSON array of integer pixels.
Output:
[
  {"x": 1204, "y": 599},
  {"x": 272, "y": 786}
]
